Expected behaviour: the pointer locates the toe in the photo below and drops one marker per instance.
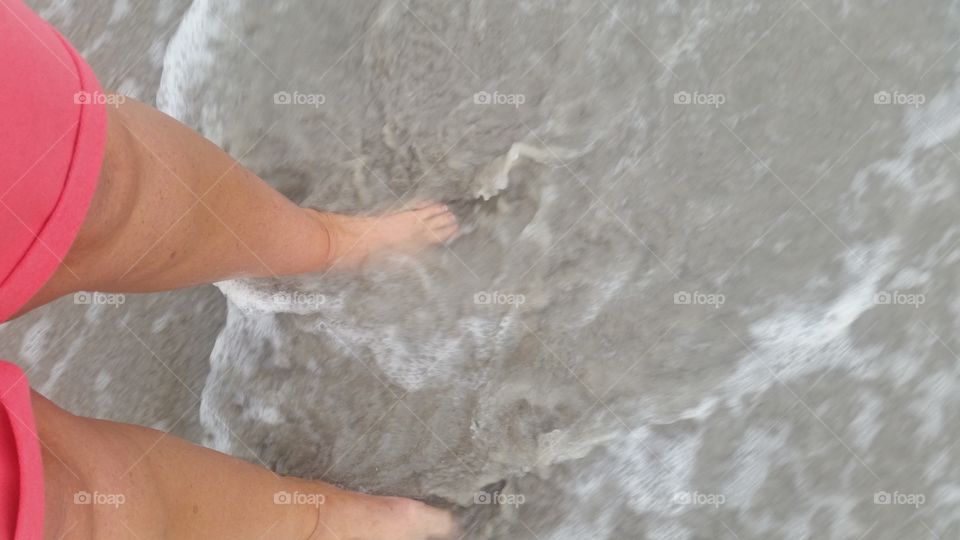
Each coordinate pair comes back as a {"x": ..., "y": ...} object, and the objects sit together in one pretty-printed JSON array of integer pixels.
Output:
[
  {"x": 443, "y": 219},
  {"x": 445, "y": 234},
  {"x": 422, "y": 205},
  {"x": 434, "y": 210}
]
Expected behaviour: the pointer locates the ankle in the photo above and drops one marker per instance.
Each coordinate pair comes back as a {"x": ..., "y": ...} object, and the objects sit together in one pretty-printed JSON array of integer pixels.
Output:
[
  {"x": 331, "y": 235},
  {"x": 310, "y": 527},
  {"x": 310, "y": 502}
]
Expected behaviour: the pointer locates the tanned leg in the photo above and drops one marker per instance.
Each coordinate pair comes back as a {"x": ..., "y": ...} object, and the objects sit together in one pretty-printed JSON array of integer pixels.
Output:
[
  {"x": 173, "y": 210},
  {"x": 118, "y": 481}
]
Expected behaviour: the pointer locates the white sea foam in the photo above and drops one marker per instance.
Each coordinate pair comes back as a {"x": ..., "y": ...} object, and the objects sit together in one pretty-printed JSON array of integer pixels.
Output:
[
  {"x": 121, "y": 8},
  {"x": 510, "y": 379},
  {"x": 190, "y": 56}
]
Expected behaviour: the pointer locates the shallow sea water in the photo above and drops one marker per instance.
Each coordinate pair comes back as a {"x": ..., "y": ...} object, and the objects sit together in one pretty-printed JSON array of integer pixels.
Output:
[{"x": 706, "y": 286}]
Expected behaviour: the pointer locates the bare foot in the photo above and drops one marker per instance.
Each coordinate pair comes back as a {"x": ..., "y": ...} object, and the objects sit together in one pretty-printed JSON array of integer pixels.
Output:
[
  {"x": 346, "y": 515},
  {"x": 355, "y": 238}
]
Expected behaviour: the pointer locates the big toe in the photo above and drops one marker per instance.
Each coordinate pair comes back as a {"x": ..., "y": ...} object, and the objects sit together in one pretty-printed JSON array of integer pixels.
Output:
[
  {"x": 443, "y": 219},
  {"x": 444, "y": 229},
  {"x": 431, "y": 210}
]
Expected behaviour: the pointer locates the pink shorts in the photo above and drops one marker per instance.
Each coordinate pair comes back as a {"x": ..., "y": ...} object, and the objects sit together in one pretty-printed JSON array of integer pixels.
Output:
[
  {"x": 53, "y": 126},
  {"x": 52, "y": 135},
  {"x": 21, "y": 469}
]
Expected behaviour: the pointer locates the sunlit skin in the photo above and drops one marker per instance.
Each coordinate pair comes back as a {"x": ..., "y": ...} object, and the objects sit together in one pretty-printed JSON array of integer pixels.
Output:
[{"x": 173, "y": 210}]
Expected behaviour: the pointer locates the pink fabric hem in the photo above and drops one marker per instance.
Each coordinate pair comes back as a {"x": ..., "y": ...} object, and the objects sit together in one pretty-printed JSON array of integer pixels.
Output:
[
  {"x": 24, "y": 461},
  {"x": 53, "y": 239}
]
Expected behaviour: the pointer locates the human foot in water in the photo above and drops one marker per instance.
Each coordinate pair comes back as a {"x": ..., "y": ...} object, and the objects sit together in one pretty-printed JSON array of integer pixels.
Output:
[{"x": 355, "y": 238}]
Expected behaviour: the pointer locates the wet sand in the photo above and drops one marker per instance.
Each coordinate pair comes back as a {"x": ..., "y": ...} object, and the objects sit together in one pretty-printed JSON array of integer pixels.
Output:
[{"x": 705, "y": 290}]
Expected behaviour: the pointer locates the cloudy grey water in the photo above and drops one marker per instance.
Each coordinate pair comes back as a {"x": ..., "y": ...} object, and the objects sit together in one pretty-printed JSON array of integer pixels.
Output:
[{"x": 705, "y": 287}]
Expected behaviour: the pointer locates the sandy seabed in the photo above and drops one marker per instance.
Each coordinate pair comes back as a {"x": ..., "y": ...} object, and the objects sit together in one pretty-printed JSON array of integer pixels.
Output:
[{"x": 704, "y": 288}]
